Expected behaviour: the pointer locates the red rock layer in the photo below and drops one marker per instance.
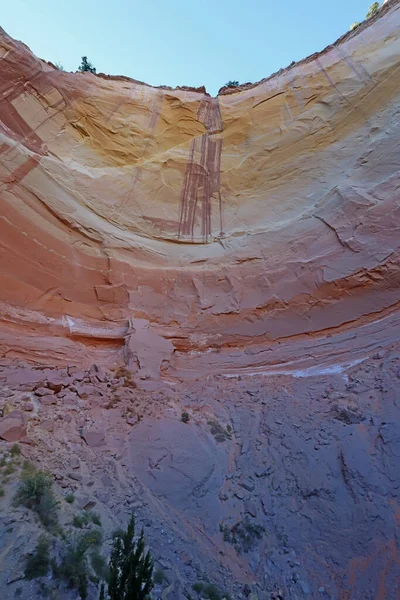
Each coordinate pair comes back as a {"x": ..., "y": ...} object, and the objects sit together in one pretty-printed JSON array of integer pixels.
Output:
[{"x": 191, "y": 234}]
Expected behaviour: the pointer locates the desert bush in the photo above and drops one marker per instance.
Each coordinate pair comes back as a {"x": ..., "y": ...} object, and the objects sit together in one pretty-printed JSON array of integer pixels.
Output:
[
  {"x": 69, "y": 498},
  {"x": 74, "y": 567},
  {"x": 159, "y": 576},
  {"x": 220, "y": 434},
  {"x": 80, "y": 521},
  {"x": 95, "y": 518},
  {"x": 185, "y": 417},
  {"x": 15, "y": 450},
  {"x": 124, "y": 373},
  {"x": 210, "y": 591},
  {"x": 244, "y": 535},
  {"x": 231, "y": 83},
  {"x": 86, "y": 517},
  {"x": 28, "y": 467},
  {"x": 36, "y": 493},
  {"x": 99, "y": 565},
  {"x": 38, "y": 564}
]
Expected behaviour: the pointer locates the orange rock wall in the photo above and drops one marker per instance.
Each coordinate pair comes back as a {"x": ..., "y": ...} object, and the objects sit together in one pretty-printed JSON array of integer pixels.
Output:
[{"x": 229, "y": 226}]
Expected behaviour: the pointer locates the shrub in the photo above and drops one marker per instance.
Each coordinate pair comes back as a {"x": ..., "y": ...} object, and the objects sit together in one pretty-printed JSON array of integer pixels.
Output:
[
  {"x": 47, "y": 508},
  {"x": 95, "y": 517},
  {"x": 32, "y": 488},
  {"x": 36, "y": 493},
  {"x": 159, "y": 576},
  {"x": 9, "y": 469},
  {"x": 38, "y": 564},
  {"x": 80, "y": 521},
  {"x": 59, "y": 66},
  {"x": 127, "y": 376},
  {"x": 28, "y": 467},
  {"x": 244, "y": 535},
  {"x": 231, "y": 83},
  {"x": 99, "y": 564},
  {"x": 15, "y": 450},
  {"x": 373, "y": 9},
  {"x": 74, "y": 567},
  {"x": 69, "y": 498},
  {"x": 209, "y": 590},
  {"x": 185, "y": 417},
  {"x": 354, "y": 25},
  {"x": 86, "y": 66},
  {"x": 220, "y": 434},
  {"x": 85, "y": 518},
  {"x": 131, "y": 569}
]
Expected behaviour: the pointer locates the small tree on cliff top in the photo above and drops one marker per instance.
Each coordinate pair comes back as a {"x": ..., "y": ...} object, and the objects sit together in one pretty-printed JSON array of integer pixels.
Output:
[
  {"x": 373, "y": 9},
  {"x": 86, "y": 65},
  {"x": 131, "y": 569}
]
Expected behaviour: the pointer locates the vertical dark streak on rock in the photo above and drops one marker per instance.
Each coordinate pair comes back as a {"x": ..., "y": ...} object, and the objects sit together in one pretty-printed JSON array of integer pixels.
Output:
[
  {"x": 329, "y": 80},
  {"x": 155, "y": 109},
  {"x": 356, "y": 67},
  {"x": 202, "y": 177},
  {"x": 346, "y": 476}
]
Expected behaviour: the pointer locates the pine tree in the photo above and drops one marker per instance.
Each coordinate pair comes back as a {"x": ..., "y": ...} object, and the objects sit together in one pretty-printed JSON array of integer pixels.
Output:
[
  {"x": 131, "y": 569},
  {"x": 86, "y": 65},
  {"x": 373, "y": 9}
]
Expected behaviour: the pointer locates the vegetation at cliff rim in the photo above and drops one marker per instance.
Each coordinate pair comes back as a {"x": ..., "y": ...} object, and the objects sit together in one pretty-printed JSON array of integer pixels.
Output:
[{"x": 86, "y": 66}]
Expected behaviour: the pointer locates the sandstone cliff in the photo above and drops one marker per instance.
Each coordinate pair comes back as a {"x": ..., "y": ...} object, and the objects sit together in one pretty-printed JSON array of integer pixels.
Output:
[
  {"x": 239, "y": 255},
  {"x": 225, "y": 230}
]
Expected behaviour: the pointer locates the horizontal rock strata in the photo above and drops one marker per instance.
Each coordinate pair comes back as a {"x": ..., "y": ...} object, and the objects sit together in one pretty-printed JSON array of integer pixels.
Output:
[{"x": 241, "y": 224}]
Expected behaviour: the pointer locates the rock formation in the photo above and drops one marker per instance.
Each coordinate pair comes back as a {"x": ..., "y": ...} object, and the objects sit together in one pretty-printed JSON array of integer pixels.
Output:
[
  {"x": 240, "y": 228},
  {"x": 199, "y": 321}
]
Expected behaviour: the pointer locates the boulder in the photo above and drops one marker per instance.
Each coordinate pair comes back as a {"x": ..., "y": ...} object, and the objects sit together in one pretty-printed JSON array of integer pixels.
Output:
[
  {"x": 93, "y": 437},
  {"x": 48, "y": 400},
  {"x": 12, "y": 427},
  {"x": 47, "y": 425},
  {"x": 42, "y": 391}
]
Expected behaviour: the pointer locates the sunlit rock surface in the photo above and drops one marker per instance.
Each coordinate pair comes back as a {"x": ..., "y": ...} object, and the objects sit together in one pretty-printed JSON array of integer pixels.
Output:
[{"x": 258, "y": 230}]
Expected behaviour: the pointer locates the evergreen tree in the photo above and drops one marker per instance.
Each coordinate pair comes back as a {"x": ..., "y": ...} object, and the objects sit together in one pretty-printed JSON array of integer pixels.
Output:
[
  {"x": 86, "y": 65},
  {"x": 131, "y": 569},
  {"x": 232, "y": 84},
  {"x": 373, "y": 9}
]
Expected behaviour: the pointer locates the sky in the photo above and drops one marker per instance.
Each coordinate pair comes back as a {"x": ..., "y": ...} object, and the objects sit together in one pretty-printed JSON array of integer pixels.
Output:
[{"x": 180, "y": 42}]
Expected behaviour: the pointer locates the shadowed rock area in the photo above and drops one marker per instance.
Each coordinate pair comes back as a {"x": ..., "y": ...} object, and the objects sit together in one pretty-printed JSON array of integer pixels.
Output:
[
  {"x": 275, "y": 487},
  {"x": 199, "y": 322}
]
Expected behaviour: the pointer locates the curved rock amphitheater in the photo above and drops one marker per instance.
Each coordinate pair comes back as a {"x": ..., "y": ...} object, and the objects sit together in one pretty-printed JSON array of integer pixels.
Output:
[{"x": 238, "y": 256}]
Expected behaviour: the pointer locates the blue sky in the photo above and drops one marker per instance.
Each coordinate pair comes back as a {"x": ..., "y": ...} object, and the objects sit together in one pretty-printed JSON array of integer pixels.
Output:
[{"x": 180, "y": 42}]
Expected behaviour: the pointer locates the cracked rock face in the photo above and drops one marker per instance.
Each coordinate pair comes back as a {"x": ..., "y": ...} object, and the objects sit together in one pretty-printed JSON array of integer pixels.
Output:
[
  {"x": 273, "y": 487},
  {"x": 190, "y": 235},
  {"x": 199, "y": 317}
]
